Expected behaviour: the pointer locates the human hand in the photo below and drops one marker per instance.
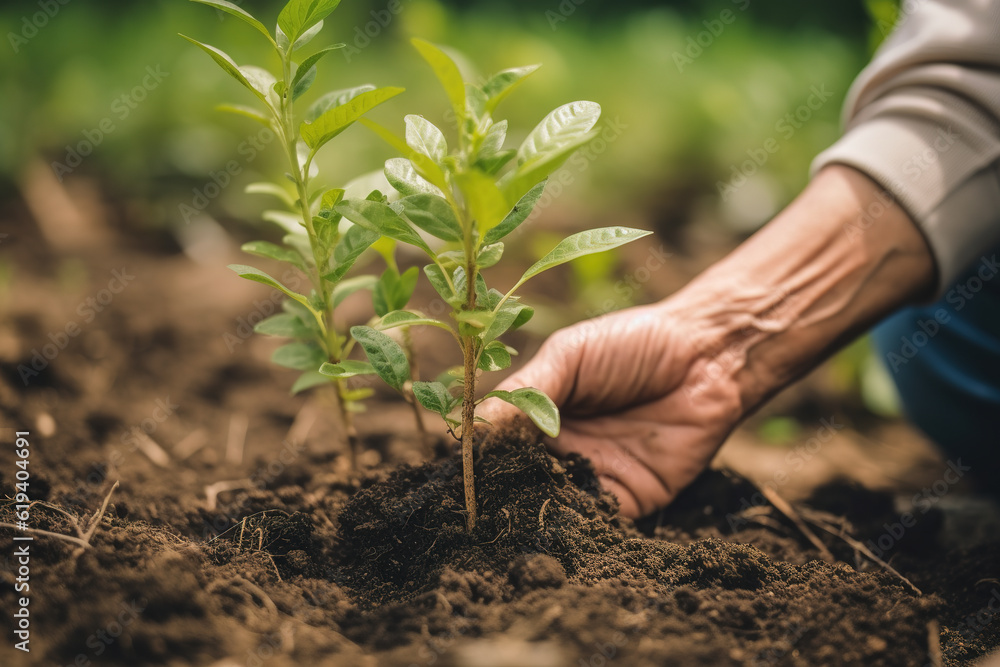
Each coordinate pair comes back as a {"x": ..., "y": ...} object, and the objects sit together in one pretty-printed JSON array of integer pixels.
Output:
[{"x": 638, "y": 397}]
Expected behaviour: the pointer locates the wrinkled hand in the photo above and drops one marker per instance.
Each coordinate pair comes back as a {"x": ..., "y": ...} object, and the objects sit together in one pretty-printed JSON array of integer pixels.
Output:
[{"x": 637, "y": 397}]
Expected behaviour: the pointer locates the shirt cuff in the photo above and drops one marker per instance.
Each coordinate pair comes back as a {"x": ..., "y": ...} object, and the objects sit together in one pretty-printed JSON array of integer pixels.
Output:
[{"x": 941, "y": 175}]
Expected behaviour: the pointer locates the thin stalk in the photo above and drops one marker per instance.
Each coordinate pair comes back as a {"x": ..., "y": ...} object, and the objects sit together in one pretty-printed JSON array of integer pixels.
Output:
[
  {"x": 300, "y": 174},
  {"x": 469, "y": 396},
  {"x": 411, "y": 356}
]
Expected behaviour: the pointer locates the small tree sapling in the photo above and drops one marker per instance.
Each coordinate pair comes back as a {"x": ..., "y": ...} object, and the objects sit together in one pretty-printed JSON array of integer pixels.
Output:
[
  {"x": 470, "y": 195},
  {"x": 315, "y": 241}
]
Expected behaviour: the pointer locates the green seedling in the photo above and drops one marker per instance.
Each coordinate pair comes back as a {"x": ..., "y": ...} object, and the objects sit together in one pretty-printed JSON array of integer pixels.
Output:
[
  {"x": 469, "y": 196},
  {"x": 316, "y": 241}
]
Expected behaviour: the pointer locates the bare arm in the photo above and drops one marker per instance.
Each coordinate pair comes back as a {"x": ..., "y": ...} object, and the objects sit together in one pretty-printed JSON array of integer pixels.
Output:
[{"x": 651, "y": 393}]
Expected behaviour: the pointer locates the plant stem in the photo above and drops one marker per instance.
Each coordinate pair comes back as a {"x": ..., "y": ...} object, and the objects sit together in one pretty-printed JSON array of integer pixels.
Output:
[
  {"x": 414, "y": 373},
  {"x": 469, "y": 394},
  {"x": 347, "y": 421},
  {"x": 468, "y": 432}
]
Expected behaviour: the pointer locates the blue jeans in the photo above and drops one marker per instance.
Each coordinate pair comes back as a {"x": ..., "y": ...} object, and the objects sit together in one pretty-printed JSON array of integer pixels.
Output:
[{"x": 945, "y": 361}]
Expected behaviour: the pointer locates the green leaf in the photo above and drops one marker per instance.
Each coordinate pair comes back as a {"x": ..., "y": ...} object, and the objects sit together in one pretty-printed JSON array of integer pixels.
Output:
[
  {"x": 336, "y": 120},
  {"x": 285, "y": 325},
  {"x": 553, "y": 140},
  {"x": 306, "y": 73},
  {"x": 478, "y": 319},
  {"x": 539, "y": 407},
  {"x": 403, "y": 177},
  {"x": 501, "y": 84},
  {"x": 272, "y": 189},
  {"x": 432, "y": 214},
  {"x": 437, "y": 279},
  {"x": 262, "y": 82},
  {"x": 385, "y": 355},
  {"x": 256, "y": 275},
  {"x": 300, "y": 15},
  {"x": 506, "y": 317},
  {"x": 355, "y": 241},
  {"x": 561, "y": 127},
  {"x": 584, "y": 243},
  {"x": 335, "y": 99},
  {"x": 290, "y": 222},
  {"x": 485, "y": 202},
  {"x": 346, "y": 288},
  {"x": 380, "y": 218},
  {"x": 393, "y": 291},
  {"x": 246, "y": 112},
  {"x": 308, "y": 380},
  {"x": 230, "y": 66},
  {"x": 494, "y": 357},
  {"x": 493, "y": 141},
  {"x": 494, "y": 163},
  {"x": 423, "y": 165},
  {"x": 347, "y": 369},
  {"x": 522, "y": 209},
  {"x": 272, "y": 251},
  {"x": 435, "y": 397},
  {"x": 425, "y": 138},
  {"x": 489, "y": 255},
  {"x": 300, "y": 356},
  {"x": 404, "y": 318},
  {"x": 307, "y": 36},
  {"x": 239, "y": 13},
  {"x": 447, "y": 73}
]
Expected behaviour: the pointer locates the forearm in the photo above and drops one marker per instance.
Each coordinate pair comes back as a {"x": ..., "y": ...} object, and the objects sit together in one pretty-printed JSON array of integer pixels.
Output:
[{"x": 838, "y": 259}]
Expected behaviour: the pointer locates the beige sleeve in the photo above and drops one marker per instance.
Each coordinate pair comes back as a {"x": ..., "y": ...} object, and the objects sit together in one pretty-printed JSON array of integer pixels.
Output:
[{"x": 923, "y": 120}]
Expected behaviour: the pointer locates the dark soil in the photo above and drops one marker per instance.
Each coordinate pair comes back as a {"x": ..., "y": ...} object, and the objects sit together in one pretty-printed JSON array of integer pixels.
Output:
[{"x": 304, "y": 562}]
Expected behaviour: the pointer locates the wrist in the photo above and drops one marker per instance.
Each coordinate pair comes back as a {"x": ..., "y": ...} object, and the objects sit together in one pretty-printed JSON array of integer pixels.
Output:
[{"x": 839, "y": 258}]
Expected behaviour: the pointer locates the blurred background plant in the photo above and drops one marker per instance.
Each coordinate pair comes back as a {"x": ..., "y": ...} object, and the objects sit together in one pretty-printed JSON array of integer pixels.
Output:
[{"x": 712, "y": 114}]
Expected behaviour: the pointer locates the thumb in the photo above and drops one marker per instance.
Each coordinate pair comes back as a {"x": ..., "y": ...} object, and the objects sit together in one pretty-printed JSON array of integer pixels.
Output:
[{"x": 548, "y": 371}]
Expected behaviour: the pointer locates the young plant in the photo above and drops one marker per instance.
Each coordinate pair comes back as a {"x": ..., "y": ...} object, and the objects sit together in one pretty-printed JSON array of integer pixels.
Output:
[
  {"x": 471, "y": 195},
  {"x": 315, "y": 241}
]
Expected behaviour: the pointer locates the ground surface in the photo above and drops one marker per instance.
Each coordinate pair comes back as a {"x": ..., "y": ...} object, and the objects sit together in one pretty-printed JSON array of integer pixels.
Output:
[{"x": 238, "y": 535}]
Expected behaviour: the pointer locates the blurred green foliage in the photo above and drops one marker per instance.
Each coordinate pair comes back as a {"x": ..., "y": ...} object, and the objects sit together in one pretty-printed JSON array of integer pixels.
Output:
[{"x": 677, "y": 132}]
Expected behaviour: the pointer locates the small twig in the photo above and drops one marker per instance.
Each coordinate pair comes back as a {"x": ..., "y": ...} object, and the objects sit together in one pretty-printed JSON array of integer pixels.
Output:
[
  {"x": 302, "y": 424},
  {"x": 96, "y": 521},
  {"x": 38, "y": 531},
  {"x": 934, "y": 643},
  {"x": 190, "y": 444},
  {"x": 785, "y": 508},
  {"x": 238, "y": 424},
  {"x": 858, "y": 546},
  {"x": 152, "y": 449},
  {"x": 212, "y": 491},
  {"x": 541, "y": 515}
]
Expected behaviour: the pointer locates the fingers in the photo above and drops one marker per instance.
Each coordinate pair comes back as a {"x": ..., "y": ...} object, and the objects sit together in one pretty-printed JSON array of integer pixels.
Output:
[
  {"x": 548, "y": 371},
  {"x": 627, "y": 502}
]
